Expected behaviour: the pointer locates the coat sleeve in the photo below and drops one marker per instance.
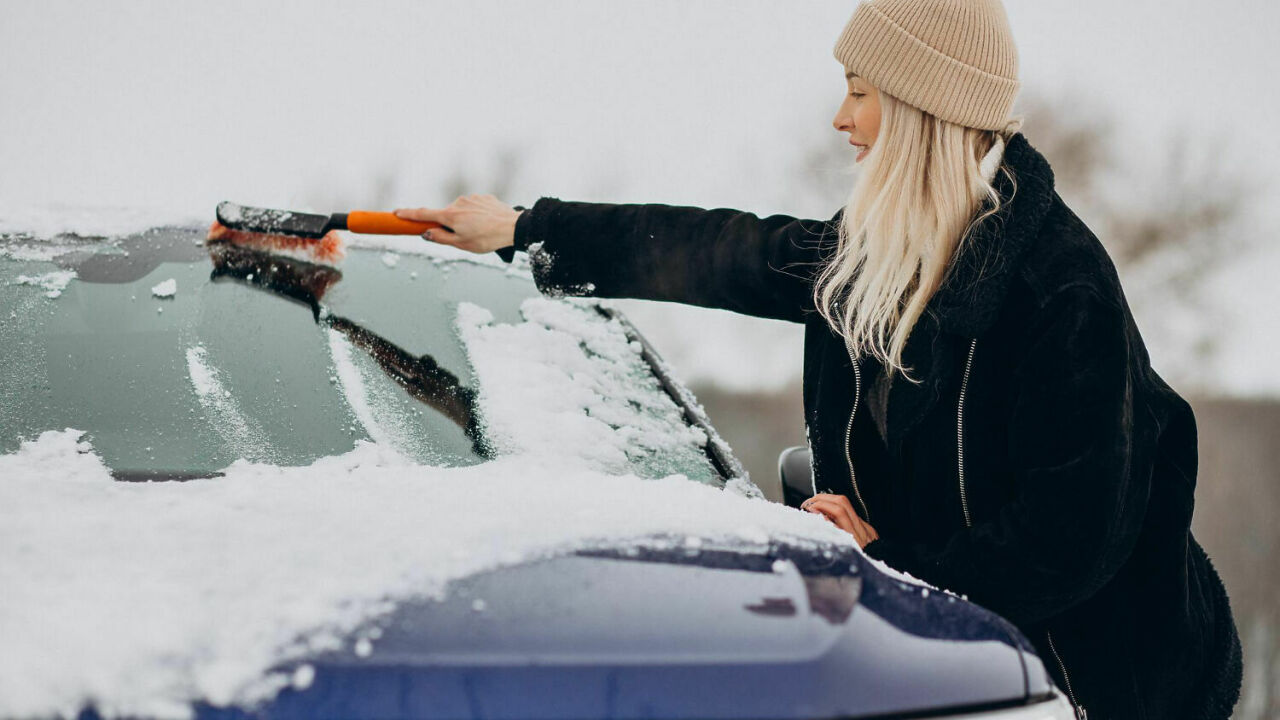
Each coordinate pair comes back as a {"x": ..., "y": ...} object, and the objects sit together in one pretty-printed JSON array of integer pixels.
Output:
[
  {"x": 1082, "y": 474},
  {"x": 721, "y": 258}
]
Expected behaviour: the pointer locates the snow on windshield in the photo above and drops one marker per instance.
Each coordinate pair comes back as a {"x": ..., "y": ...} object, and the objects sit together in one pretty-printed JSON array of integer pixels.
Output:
[
  {"x": 568, "y": 382},
  {"x": 53, "y": 283},
  {"x": 142, "y": 597},
  {"x": 387, "y": 422},
  {"x": 241, "y": 433}
]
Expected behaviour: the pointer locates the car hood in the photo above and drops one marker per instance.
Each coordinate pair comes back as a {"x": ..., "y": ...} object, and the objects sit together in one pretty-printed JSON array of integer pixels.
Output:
[{"x": 676, "y": 633}]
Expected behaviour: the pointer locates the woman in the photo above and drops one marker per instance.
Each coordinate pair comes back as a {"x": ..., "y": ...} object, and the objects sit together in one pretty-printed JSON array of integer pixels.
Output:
[{"x": 980, "y": 406}]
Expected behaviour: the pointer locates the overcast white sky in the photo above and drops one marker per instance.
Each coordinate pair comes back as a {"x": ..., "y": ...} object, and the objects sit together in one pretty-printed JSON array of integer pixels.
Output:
[{"x": 180, "y": 105}]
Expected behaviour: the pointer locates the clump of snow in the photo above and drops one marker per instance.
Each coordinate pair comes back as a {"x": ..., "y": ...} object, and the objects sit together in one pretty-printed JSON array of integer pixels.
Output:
[
  {"x": 744, "y": 487},
  {"x": 390, "y": 259},
  {"x": 568, "y": 381},
  {"x": 471, "y": 315},
  {"x": 165, "y": 288},
  {"x": 143, "y": 597},
  {"x": 303, "y": 677},
  {"x": 231, "y": 212},
  {"x": 53, "y": 283}
]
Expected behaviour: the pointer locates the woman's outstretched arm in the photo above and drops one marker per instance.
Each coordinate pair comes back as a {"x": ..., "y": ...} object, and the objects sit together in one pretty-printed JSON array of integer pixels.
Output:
[{"x": 721, "y": 258}]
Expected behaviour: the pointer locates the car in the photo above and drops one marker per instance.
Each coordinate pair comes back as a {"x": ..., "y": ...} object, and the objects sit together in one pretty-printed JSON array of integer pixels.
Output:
[{"x": 222, "y": 392}]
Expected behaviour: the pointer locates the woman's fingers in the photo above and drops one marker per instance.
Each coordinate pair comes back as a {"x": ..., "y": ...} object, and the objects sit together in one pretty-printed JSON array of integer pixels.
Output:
[
  {"x": 476, "y": 223},
  {"x": 834, "y": 512},
  {"x": 840, "y": 506},
  {"x": 839, "y": 511},
  {"x": 421, "y": 214},
  {"x": 870, "y": 531},
  {"x": 441, "y": 235},
  {"x": 827, "y": 514}
]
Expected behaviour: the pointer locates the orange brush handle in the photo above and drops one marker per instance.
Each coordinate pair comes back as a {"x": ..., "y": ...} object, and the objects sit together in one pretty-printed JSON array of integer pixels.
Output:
[{"x": 385, "y": 223}]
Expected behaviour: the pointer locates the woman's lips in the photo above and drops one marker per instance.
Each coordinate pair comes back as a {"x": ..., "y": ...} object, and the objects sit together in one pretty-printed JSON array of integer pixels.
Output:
[{"x": 864, "y": 150}]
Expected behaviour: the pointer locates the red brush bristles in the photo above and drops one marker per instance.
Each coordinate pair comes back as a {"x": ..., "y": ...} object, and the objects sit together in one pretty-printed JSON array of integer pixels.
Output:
[{"x": 327, "y": 250}]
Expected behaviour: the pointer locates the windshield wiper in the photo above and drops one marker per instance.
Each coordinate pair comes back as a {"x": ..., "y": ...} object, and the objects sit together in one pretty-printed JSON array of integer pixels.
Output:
[{"x": 420, "y": 375}]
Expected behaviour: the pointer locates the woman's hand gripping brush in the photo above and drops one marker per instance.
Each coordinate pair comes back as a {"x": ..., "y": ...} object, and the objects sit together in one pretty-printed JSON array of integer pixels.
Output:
[{"x": 475, "y": 223}]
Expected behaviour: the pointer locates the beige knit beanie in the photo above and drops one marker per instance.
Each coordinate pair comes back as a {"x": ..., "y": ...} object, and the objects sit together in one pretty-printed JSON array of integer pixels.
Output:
[{"x": 951, "y": 58}]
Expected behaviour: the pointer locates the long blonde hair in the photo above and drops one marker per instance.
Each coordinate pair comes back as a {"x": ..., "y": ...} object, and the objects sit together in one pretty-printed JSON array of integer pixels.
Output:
[{"x": 915, "y": 202}]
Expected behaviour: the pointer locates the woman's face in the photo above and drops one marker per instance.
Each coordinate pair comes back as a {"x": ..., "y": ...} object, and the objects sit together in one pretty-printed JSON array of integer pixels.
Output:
[{"x": 859, "y": 114}]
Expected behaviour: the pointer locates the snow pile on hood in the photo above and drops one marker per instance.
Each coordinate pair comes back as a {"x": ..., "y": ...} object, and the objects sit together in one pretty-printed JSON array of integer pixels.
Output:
[
  {"x": 141, "y": 597},
  {"x": 568, "y": 382}
]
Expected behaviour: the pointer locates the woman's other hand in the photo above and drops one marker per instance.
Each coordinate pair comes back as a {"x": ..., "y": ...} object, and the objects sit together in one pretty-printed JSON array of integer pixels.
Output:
[
  {"x": 837, "y": 509},
  {"x": 476, "y": 223}
]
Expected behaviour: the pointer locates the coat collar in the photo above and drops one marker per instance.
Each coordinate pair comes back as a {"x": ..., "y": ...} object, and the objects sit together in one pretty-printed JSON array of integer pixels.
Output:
[{"x": 969, "y": 300}]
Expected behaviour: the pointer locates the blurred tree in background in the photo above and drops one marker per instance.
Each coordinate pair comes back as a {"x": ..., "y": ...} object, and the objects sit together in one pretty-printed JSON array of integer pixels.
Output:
[{"x": 1167, "y": 230}]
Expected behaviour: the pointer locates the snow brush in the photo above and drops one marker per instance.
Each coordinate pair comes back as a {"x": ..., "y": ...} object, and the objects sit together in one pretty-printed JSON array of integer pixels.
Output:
[{"x": 307, "y": 236}]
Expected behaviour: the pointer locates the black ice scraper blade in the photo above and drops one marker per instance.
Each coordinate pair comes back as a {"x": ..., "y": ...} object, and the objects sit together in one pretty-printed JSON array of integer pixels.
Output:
[{"x": 278, "y": 222}]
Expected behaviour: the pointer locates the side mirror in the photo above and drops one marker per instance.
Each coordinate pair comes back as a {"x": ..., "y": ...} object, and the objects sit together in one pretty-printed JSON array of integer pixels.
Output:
[{"x": 796, "y": 471}]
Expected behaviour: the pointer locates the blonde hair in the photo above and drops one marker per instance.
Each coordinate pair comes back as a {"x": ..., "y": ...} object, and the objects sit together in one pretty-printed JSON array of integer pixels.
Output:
[{"x": 913, "y": 206}]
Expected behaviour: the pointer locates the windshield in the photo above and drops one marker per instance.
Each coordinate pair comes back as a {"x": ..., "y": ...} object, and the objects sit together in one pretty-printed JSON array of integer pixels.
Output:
[{"x": 177, "y": 360}]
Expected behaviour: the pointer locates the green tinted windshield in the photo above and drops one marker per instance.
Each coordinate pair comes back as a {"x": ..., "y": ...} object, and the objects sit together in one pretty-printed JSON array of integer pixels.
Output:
[{"x": 178, "y": 361}]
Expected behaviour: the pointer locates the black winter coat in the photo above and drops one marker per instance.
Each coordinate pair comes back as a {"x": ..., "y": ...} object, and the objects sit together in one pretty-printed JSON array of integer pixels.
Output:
[{"x": 1042, "y": 467}]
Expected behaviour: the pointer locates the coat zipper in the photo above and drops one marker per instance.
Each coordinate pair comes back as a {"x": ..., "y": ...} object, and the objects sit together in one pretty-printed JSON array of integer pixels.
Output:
[
  {"x": 1081, "y": 713},
  {"x": 964, "y": 386},
  {"x": 848, "y": 433}
]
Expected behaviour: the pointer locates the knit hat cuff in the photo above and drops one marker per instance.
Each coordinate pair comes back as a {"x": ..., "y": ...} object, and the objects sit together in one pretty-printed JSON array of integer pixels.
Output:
[{"x": 876, "y": 48}]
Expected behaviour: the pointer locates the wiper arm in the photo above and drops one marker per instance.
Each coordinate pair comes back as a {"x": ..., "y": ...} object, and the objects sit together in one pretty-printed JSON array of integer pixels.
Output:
[
  {"x": 420, "y": 375},
  {"x": 306, "y": 283}
]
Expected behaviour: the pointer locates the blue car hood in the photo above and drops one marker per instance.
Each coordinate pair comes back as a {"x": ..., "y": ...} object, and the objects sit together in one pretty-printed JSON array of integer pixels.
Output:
[{"x": 673, "y": 634}]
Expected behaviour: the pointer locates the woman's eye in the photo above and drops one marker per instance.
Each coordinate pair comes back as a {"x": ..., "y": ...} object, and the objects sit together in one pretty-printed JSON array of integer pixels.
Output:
[{"x": 856, "y": 94}]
